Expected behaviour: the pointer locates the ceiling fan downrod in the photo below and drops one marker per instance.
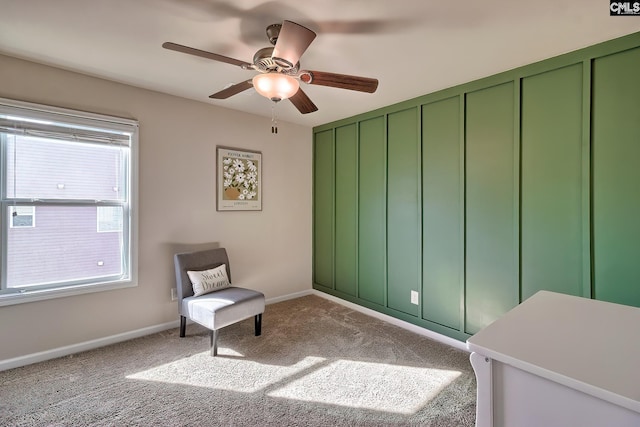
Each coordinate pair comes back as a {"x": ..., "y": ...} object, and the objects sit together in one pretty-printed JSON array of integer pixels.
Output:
[{"x": 273, "y": 31}]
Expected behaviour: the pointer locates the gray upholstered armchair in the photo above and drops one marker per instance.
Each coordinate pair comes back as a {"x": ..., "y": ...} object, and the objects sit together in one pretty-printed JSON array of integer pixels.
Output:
[{"x": 215, "y": 303}]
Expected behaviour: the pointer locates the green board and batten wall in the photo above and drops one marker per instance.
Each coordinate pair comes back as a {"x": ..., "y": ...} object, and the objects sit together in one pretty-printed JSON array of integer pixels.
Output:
[{"x": 478, "y": 196}]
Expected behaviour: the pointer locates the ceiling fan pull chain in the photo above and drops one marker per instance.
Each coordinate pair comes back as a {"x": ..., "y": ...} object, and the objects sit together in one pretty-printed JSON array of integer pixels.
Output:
[{"x": 274, "y": 119}]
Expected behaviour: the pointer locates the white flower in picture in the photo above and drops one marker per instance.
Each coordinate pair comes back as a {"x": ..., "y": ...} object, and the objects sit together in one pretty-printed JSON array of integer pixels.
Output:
[
  {"x": 238, "y": 165},
  {"x": 240, "y": 179}
]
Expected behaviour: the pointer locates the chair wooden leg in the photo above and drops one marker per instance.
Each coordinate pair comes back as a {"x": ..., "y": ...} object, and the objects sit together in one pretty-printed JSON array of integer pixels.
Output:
[
  {"x": 258, "y": 322},
  {"x": 214, "y": 342},
  {"x": 183, "y": 326}
]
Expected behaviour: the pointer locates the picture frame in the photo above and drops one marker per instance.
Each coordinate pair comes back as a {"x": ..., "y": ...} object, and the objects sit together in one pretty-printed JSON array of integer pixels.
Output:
[{"x": 239, "y": 179}]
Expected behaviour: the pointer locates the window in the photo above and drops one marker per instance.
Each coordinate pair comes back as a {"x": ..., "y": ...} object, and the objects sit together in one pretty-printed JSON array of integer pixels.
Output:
[{"x": 77, "y": 172}]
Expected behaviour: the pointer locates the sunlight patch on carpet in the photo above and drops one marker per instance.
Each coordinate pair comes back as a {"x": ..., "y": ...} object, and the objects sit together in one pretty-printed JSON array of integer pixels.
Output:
[
  {"x": 222, "y": 373},
  {"x": 375, "y": 386}
]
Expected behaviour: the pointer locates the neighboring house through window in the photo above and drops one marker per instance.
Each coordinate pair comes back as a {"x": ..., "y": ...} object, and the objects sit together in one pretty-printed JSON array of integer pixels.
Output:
[
  {"x": 109, "y": 219},
  {"x": 22, "y": 216},
  {"x": 76, "y": 172}
]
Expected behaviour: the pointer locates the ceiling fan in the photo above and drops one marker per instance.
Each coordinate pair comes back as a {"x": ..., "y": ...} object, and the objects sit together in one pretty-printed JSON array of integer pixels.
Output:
[{"x": 279, "y": 68}]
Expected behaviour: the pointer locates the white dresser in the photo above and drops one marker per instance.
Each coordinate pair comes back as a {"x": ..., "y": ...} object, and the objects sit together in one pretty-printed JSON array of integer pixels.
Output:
[{"x": 559, "y": 360}]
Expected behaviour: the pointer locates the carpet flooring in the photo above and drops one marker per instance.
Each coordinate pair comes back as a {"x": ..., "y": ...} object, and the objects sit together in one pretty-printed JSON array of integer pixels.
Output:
[{"x": 317, "y": 363}]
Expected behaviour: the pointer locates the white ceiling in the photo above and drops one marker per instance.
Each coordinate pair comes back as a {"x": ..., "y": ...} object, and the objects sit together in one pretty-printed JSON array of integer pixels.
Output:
[{"x": 413, "y": 47}]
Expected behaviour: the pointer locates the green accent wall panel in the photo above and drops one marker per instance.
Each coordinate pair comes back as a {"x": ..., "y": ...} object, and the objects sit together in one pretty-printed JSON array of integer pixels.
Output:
[
  {"x": 479, "y": 195},
  {"x": 323, "y": 210},
  {"x": 616, "y": 177},
  {"x": 403, "y": 222},
  {"x": 551, "y": 210},
  {"x": 442, "y": 267},
  {"x": 346, "y": 209},
  {"x": 491, "y": 287},
  {"x": 372, "y": 211}
]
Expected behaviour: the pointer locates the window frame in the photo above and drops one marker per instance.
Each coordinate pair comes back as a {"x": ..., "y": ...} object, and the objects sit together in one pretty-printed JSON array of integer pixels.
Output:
[{"x": 39, "y": 114}]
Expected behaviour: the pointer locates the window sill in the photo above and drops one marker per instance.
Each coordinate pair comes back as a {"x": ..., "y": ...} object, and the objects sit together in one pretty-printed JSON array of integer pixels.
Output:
[{"x": 67, "y": 291}]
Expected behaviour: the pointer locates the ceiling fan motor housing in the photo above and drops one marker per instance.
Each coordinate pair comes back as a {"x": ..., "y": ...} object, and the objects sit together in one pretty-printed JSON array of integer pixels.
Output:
[{"x": 264, "y": 62}]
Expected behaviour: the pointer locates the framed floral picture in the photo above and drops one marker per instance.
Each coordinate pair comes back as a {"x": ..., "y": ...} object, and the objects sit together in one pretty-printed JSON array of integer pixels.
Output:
[{"x": 239, "y": 179}]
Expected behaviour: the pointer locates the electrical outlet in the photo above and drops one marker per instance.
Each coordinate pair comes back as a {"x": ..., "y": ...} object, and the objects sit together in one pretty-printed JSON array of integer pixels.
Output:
[
  {"x": 174, "y": 294},
  {"x": 414, "y": 297}
]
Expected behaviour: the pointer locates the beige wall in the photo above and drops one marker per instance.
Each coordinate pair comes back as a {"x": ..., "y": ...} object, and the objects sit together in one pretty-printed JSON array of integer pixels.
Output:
[{"x": 269, "y": 250}]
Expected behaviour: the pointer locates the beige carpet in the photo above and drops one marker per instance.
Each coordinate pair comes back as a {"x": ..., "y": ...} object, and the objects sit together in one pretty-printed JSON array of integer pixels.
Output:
[{"x": 317, "y": 363}]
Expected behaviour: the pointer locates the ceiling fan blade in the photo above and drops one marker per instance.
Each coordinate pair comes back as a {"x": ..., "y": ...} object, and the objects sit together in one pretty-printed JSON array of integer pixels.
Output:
[
  {"x": 302, "y": 102},
  {"x": 232, "y": 90},
  {"x": 204, "y": 54},
  {"x": 293, "y": 41},
  {"x": 342, "y": 81}
]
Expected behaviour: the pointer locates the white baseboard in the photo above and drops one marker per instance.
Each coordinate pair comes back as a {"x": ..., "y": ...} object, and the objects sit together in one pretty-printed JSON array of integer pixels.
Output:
[
  {"x": 28, "y": 359},
  {"x": 401, "y": 323},
  {"x": 289, "y": 296}
]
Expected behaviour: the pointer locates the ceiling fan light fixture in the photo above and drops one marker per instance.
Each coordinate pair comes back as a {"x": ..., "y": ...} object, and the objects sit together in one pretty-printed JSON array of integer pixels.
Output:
[{"x": 275, "y": 86}]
